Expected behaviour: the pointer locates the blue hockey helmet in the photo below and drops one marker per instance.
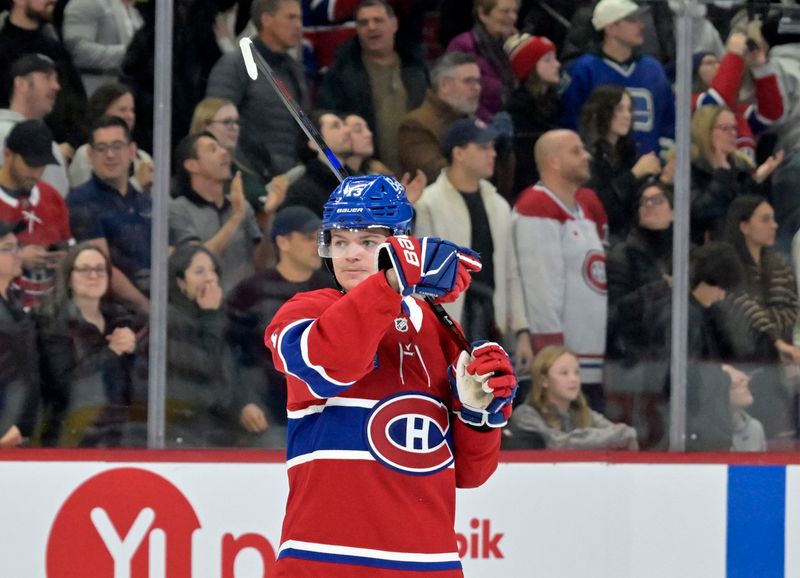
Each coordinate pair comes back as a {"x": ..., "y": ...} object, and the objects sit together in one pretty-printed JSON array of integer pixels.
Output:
[{"x": 370, "y": 202}]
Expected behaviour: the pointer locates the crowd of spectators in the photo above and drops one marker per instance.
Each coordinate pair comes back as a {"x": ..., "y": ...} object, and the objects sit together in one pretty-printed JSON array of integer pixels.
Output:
[{"x": 539, "y": 134}]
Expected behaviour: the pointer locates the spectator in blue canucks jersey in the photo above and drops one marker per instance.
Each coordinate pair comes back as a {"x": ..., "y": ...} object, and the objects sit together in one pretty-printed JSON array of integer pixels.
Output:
[{"x": 621, "y": 28}]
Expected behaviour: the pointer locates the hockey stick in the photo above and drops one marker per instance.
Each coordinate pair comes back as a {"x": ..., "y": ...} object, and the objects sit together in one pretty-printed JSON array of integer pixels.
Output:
[{"x": 254, "y": 63}]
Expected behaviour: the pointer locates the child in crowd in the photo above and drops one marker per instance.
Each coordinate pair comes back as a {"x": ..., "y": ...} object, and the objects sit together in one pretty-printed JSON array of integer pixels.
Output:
[{"x": 558, "y": 411}]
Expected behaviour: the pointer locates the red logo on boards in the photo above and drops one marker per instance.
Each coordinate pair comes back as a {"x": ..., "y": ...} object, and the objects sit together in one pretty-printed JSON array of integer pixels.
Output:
[{"x": 133, "y": 523}]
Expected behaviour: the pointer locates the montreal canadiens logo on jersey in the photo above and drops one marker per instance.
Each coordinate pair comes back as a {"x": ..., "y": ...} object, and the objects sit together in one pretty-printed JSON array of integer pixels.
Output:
[
  {"x": 408, "y": 432},
  {"x": 594, "y": 271}
]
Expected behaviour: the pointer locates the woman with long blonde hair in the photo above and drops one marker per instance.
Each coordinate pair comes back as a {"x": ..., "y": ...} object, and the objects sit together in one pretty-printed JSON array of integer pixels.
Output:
[
  {"x": 720, "y": 171},
  {"x": 558, "y": 411}
]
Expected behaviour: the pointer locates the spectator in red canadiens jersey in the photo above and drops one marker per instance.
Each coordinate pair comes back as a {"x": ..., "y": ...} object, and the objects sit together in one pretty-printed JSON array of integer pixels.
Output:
[
  {"x": 559, "y": 229},
  {"x": 23, "y": 197},
  {"x": 382, "y": 398}
]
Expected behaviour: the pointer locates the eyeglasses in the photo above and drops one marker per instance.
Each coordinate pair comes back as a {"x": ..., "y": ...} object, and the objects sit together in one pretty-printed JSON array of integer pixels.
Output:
[
  {"x": 10, "y": 249},
  {"x": 728, "y": 128},
  {"x": 228, "y": 122},
  {"x": 116, "y": 147},
  {"x": 90, "y": 271},
  {"x": 653, "y": 201}
]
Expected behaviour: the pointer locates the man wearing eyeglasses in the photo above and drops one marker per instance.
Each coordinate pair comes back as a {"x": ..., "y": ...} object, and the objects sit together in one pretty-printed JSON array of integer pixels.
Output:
[
  {"x": 25, "y": 197},
  {"x": 111, "y": 213},
  {"x": 454, "y": 94}
]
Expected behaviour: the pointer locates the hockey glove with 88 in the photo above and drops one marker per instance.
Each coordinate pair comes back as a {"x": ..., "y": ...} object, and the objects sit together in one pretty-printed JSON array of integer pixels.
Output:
[
  {"x": 483, "y": 385},
  {"x": 427, "y": 265}
]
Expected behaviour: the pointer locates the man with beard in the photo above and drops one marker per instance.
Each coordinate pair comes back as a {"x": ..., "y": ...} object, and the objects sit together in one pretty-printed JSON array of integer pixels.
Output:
[
  {"x": 559, "y": 230},
  {"x": 454, "y": 94},
  {"x": 28, "y": 30},
  {"x": 202, "y": 212},
  {"x": 314, "y": 187},
  {"x": 33, "y": 92},
  {"x": 24, "y": 197}
]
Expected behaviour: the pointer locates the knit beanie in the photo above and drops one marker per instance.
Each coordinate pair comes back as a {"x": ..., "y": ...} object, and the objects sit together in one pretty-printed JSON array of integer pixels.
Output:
[{"x": 524, "y": 52}]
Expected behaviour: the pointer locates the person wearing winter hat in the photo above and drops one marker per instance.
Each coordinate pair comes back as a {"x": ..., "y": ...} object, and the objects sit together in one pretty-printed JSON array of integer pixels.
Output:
[
  {"x": 534, "y": 104},
  {"x": 618, "y": 62}
]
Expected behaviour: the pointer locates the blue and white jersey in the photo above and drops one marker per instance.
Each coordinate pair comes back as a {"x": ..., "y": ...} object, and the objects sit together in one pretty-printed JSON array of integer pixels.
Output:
[{"x": 645, "y": 81}]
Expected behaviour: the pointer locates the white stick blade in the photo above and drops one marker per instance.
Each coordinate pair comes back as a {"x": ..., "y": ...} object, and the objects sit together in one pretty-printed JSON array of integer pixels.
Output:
[{"x": 246, "y": 46}]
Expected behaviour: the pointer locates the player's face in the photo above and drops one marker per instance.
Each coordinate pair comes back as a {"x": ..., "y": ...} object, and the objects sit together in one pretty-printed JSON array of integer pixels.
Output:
[
  {"x": 89, "y": 277},
  {"x": 301, "y": 250},
  {"x": 623, "y": 117},
  {"x": 213, "y": 160},
  {"x": 23, "y": 176},
  {"x": 361, "y": 136},
  {"x": 225, "y": 126},
  {"x": 759, "y": 230},
  {"x": 111, "y": 154},
  {"x": 724, "y": 132},
  {"x": 124, "y": 108},
  {"x": 353, "y": 255},
  {"x": 462, "y": 89},
  {"x": 655, "y": 212},
  {"x": 285, "y": 27},
  {"x": 548, "y": 69},
  {"x": 41, "y": 92},
  {"x": 573, "y": 159},
  {"x": 337, "y": 134},
  {"x": 477, "y": 158},
  {"x": 500, "y": 20},
  {"x": 201, "y": 271},
  {"x": 10, "y": 260},
  {"x": 563, "y": 383},
  {"x": 376, "y": 30}
]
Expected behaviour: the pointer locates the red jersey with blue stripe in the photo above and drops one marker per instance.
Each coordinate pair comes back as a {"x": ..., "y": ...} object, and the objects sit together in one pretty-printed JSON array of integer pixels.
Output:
[{"x": 374, "y": 451}]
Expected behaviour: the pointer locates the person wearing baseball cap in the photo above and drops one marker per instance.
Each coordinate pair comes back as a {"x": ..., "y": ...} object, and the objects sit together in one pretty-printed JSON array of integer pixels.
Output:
[
  {"x": 253, "y": 303},
  {"x": 25, "y": 197},
  {"x": 32, "y": 94},
  {"x": 535, "y": 104},
  {"x": 620, "y": 25},
  {"x": 462, "y": 206}
]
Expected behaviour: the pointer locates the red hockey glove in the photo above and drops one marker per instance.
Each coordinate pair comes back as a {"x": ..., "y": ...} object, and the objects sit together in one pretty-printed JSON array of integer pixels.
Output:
[{"x": 484, "y": 385}]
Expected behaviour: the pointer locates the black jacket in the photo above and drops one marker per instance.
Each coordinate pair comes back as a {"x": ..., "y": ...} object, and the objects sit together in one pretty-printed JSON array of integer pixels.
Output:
[
  {"x": 712, "y": 192},
  {"x": 313, "y": 188},
  {"x": 19, "y": 368},
  {"x": 86, "y": 387},
  {"x": 346, "y": 89}
]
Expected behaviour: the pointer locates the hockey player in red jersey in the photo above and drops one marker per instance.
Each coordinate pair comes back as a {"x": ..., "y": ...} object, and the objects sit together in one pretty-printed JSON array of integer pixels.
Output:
[{"x": 387, "y": 416}]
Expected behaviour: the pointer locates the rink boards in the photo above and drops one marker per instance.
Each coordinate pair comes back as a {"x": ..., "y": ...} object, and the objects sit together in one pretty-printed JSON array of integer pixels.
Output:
[{"x": 218, "y": 515}]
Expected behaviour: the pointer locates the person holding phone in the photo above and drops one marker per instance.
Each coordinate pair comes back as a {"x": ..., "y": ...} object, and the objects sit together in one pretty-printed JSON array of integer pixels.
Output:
[{"x": 25, "y": 197}]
